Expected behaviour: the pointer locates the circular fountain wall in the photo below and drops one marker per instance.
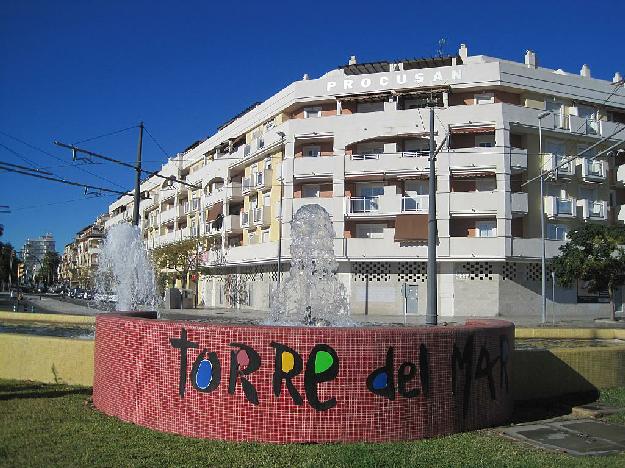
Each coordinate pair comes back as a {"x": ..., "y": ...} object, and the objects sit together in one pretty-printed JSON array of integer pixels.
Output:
[
  {"x": 303, "y": 384},
  {"x": 293, "y": 383}
]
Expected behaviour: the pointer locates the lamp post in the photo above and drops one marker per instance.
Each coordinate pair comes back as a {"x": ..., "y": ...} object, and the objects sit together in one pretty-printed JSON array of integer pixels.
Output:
[{"x": 543, "y": 310}]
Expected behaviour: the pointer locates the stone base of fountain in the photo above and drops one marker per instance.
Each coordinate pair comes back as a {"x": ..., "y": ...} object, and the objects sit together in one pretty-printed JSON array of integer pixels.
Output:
[{"x": 301, "y": 384}]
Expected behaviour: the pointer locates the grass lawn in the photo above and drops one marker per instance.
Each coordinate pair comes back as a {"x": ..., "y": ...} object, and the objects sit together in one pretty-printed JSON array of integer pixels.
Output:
[{"x": 55, "y": 425}]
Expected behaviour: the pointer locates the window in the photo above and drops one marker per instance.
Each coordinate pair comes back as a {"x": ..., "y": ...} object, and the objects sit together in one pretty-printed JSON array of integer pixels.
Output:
[
  {"x": 310, "y": 191},
  {"x": 370, "y": 231},
  {"x": 311, "y": 151},
  {"x": 485, "y": 184},
  {"x": 312, "y": 112},
  {"x": 586, "y": 112},
  {"x": 485, "y": 141},
  {"x": 267, "y": 199},
  {"x": 557, "y": 232},
  {"x": 484, "y": 98},
  {"x": 268, "y": 163},
  {"x": 251, "y": 237},
  {"x": 370, "y": 190},
  {"x": 265, "y": 235},
  {"x": 486, "y": 229},
  {"x": 370, "y": 106}
]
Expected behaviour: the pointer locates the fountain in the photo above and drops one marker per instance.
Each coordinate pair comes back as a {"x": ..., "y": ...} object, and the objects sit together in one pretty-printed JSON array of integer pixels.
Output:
[
  {"x": 311, "y": 293},
  {"x": 125, "y": 272},
  {"x": 295, "y": 379}
]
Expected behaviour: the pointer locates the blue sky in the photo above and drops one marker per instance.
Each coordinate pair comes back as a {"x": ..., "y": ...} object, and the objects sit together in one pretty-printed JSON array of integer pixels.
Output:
[{"x": 71, "y": 70}]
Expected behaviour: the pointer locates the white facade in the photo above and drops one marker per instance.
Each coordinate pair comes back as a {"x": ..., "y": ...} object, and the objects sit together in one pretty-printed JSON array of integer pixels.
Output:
[{"x": 355, "y": 142}]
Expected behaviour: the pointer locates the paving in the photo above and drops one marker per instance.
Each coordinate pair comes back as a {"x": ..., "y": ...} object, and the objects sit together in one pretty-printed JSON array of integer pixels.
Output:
[
  {"x": 57, "y": 305},
  {"x": 576, "y": 437}
]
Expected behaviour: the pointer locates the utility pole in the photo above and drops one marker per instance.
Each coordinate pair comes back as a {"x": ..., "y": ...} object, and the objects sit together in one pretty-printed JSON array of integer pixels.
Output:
[
  {"x": 431, "y": 317},
  {"x": 135, "y": 213}
]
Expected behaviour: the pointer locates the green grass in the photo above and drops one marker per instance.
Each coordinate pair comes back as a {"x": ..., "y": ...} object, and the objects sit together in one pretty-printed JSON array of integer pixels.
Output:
[{"x": 55, "y": 425}]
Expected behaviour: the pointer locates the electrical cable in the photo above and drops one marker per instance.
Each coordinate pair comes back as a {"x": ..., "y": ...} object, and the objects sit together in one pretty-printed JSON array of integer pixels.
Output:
[
  {"x": 59, "y": 159},
  {"x": 156, "y": 142},
  {"x": 105, "y": 135}
]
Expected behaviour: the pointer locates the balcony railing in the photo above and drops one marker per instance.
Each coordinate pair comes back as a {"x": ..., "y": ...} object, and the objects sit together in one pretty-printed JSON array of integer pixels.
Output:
[
  {"x": 364, "y": 204},
  {"x": 415, "y": 203},
  {"x": 245, "y": 219},
  {"x": 246, "y": 185},
  {"x": 375, "y": 156},
  {"x": 556, "y": 163},
  {"x": 564, "y": 207},
  {"x": 594, "y": 209},
  {"x": 593, "y": 170}
]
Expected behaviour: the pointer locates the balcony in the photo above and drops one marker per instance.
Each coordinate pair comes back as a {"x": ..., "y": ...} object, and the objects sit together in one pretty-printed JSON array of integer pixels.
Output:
[
  {"x": 555, "y": 162},
  {"x": 334, "y": 206},
  {"x": 317, "y": 167},
  {"x": 215, "y": 196},
  {"x": 477, "y": 247},
  {"x": 415, "y": 203},
  {"x": 584, "y": 126},
  {"x": 593, "y": 170},
  {"x": 560, "y": 207},
  {"x": 518, "y": 203},
  {"x": 532, "y": 248},
  {"x": 381, "y": 205},
  {"x": 261, "y": 216},
  {"x": 474, "y": 202},
  {"x": 263, "y": 180},
  {"x": 168, "y": 215},
  {"x": 234, "y": 191},
  {"x": 246, "y": 186},
  {"x": 244, "y": 219},
  {"x": 486, "y": 158},
  {"x": 232, "y": 224},
  {"x": 595, "y": 210},
  {"x": 383, "y": 248},
  {"x": 388, "y": 163},
  {"x": 210, "y": 230}
]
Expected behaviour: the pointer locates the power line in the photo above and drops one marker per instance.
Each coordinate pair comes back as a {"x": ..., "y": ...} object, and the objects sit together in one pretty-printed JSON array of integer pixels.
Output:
[
  {"x": 156, "y": 142},
  {"x": 19, "y": 155},
  {"x": 17, "y": 166},
  {"x": 64, "y": 202},
  {"x": 62, "y": 181},
  {"x": 59, "y": 159},
  {"x": 105, "y": 135}
]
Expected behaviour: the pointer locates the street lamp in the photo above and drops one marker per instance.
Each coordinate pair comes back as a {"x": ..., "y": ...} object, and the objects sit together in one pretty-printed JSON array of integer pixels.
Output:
[{"x": 543, "y": 310}]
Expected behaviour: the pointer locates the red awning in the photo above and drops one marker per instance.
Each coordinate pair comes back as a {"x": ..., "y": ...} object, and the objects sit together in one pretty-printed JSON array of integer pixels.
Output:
[
  {"x": 411, "y": 227},
  {"x": 472, "y": 130},
  {"x": 215, "y": 211}
]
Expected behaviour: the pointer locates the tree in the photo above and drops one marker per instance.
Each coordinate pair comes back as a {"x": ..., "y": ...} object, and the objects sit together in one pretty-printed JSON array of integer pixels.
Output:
[
  {"x": 49, "y": 267},
  {"x": 181, "y": 257},
  {"x": 594, "y": 253},
  {"x": 8, "y": 263}
]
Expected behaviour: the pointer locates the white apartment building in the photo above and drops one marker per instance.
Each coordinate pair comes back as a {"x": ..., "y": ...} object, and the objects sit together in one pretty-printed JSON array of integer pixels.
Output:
[
  {"x": 34, "y": 252},
  {"x": 355, "y": 141}
]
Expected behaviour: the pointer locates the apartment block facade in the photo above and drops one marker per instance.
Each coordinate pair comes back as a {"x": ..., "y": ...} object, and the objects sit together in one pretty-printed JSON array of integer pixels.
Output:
[
  {"x": 355, "y": 141},
  {"x": 34, "y": 252},
  {"x": 80, "y": 257}
]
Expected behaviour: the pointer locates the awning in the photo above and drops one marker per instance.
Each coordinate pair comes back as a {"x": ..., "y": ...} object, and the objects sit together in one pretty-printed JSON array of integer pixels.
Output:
[
  {"x": 473, "y": 130},
  {"x": 471, "y": 174},
  {"x": 371, "y": 97},
  {"x": 411, "y": 227},
  {"x": 215, "y": 211}
]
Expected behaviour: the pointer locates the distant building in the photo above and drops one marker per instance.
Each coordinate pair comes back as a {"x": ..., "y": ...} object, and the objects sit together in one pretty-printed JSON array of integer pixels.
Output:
[
  {"x": 34, "y": 251},
  {"x": 80, "y": 257}
]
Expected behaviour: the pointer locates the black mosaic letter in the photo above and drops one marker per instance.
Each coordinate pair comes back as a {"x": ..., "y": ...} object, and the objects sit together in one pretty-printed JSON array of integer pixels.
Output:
[
  {"x": 182, "y": 344},
  {"x": 279, "y": 374},
  {"x": 254, "y": 363},
  {"x": 313, "y": 377}
]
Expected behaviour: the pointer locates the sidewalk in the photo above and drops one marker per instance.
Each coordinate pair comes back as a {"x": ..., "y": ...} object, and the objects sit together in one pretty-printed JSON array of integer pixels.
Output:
[{"x": 48, "y": 304}]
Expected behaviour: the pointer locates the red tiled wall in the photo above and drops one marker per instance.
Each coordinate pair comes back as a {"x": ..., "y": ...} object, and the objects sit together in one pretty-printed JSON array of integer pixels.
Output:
[{"x": 137, "y": 380}]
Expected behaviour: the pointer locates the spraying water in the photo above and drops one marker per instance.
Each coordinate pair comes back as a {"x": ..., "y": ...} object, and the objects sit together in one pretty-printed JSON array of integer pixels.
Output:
[
  {"x": 311, "y": 294},
  {"x": 125, "y": 270}
]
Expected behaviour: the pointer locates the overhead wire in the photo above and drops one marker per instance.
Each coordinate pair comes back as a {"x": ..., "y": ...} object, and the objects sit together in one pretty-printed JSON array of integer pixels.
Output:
[
  {"x": 105, "y": 135},
  {"x": 77, "y": 166},
  {"x": 155, "y": 141}
]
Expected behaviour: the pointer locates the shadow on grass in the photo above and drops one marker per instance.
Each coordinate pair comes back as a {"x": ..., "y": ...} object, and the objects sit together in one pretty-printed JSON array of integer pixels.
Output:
[{"x": 20, "y": 390}]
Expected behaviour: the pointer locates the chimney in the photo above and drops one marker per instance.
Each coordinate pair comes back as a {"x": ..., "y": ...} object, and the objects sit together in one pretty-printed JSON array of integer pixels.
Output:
[
  {"x": 617, "y": 78},
  {"x": 463, "y": 52},
  {"x": 585, "y": 71},
  {"x": 305, "y": 77},
  {"x": 530, "y": 59},
  {"x": 352, "y": 60}
]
